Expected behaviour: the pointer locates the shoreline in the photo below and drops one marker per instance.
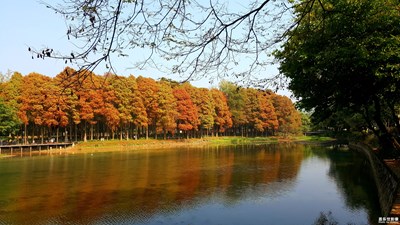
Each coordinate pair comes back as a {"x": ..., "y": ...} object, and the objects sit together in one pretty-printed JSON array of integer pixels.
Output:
[
  {"x": 212, "y": 141},
  {"x": 97, "y": 146}
]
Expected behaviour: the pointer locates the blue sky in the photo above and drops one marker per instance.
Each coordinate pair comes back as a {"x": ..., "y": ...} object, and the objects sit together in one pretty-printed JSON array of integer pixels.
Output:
[{"x": 29, "y": 23}]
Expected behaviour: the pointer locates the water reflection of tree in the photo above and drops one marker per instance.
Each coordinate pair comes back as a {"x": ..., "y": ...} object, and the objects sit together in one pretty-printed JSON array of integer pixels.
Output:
[
  {"x": 353, "y": 177},
  {"x": 84, "y": 189},
  {"x": 270, "y": 170}
]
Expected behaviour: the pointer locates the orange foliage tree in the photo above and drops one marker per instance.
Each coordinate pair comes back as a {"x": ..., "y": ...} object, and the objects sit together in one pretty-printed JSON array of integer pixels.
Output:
[
  {"x": 188, "y": 118},
  {"x": 223, "y": 117},
  {"x": 204, "y": 103},
  {"x": 288, "y": 117},
  {"x": 259, "y": 112},
  {"x": 88, "y": 106},
  {"x": 148, "y": 89}
]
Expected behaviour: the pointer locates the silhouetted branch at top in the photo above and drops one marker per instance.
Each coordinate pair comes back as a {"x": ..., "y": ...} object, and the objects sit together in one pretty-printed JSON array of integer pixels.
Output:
[{"x": 191, "y": 38}]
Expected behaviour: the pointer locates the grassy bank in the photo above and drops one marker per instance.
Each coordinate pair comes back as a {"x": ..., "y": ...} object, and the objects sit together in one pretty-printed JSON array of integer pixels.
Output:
[
  {"x": 275, "y": 139},
  {"x": 115, "y": 145},
  {"x": 156, "y": 145}
]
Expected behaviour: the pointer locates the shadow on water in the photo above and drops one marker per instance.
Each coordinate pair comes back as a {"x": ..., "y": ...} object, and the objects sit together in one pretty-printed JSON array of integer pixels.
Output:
[
  {"x": 354, "y": 179},
  {"x": 328, "y": 219}
]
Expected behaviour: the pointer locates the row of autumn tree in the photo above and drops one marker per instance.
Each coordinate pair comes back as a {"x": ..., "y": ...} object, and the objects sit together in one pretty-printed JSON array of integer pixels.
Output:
[{"x": 85, "y": 106}]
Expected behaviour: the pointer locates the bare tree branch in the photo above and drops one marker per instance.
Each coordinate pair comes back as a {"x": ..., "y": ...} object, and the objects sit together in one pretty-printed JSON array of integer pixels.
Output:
[{"x": 190, "y": 38}]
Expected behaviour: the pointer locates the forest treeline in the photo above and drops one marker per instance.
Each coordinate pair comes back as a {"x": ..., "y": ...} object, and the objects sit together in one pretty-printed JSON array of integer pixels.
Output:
[{"x": 86, "y": 106}]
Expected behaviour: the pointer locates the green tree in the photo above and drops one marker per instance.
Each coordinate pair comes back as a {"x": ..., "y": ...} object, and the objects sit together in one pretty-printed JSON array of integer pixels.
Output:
[
  {"x": 236, "y": 103},
  {"x": 9, "y": 123},
  {"x": 128, "y": 102},
  {"x": 306, "y": 123},
  {"x": 343, "y": 56},
  {"x": 167, "y": 111},
  {"x": 10, "y": 89}
]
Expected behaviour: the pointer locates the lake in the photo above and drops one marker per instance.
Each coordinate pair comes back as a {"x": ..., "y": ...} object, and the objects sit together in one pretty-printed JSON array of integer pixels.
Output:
[{"x": 243, "y": 184}]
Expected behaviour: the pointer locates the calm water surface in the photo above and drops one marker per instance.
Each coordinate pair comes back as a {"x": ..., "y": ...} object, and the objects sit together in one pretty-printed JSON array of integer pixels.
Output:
[{"x": 263, "y": 184}]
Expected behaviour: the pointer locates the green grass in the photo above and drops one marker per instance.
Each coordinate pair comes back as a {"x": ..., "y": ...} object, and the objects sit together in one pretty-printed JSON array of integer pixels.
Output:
[
  {"x": 152, "y": 143},
  {"x": 274, "y": 139},
  {"x": 241, "y": 140},
  {"x": 313, "y": 138}
]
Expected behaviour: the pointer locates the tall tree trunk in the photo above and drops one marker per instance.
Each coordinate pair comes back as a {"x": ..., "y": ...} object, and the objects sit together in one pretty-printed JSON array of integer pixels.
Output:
[
  {"x": 70, "y": 133},
  {"x": 33, "y": 135},
  {"x": 42, "y": 134},
  {"x": 25, "y": 135},
  {"x": 76, "y": 132},
  {"x": 127, "y": 131},
  {"x": 66, "y": 134},
  {"x": 57, "y": 132},
  {"x": 85, "y": 134},
  {"x": 91, "y": 132}
]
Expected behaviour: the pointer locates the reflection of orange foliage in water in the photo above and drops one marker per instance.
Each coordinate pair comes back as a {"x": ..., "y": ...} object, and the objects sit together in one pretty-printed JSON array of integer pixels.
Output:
[
  {"x": 190, "y": 179},
  {"x": 83, "y": 189},
  {"x": 272, "y": 161},
  {"x": 227, "y": 159},
  {"x": 282, "y": 164}
]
